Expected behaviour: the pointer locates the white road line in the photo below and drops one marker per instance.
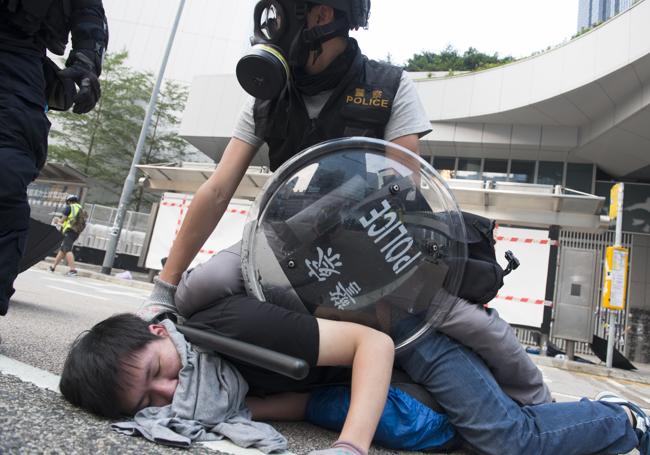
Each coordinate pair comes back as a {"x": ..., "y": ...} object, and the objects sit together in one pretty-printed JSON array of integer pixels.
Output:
[
  {"x": 102, "y": 289},
  {"x": 27, "y": 373},
  {"x": 573, "y": 397},
  {"x": 228, "y": 447},
  {"x": 93, "y": 296},
  {"x": 616, "y": 384}
]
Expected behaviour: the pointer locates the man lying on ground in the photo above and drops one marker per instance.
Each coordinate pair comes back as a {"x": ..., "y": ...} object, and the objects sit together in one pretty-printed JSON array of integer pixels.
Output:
[{"x": 124, "y": 366}]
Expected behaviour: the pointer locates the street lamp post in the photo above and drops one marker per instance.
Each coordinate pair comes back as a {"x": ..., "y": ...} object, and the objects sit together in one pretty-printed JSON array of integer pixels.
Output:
[{"x": 129, "y": 183}]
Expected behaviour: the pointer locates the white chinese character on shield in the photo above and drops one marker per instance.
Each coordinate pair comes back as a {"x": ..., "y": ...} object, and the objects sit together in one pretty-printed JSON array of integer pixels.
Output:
[
  {"x": 342, "y": 297},
  {"x": 325, "y": 266}
]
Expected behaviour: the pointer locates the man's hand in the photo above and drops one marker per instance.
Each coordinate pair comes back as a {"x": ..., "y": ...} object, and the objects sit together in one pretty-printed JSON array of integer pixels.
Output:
[
  {"x": 83, "y": 72},
  {"x": 160, "y": 303}
]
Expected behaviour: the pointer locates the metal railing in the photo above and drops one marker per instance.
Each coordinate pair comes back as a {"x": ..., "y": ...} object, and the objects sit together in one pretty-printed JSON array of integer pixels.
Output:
[{"x": 47, "y": 205}]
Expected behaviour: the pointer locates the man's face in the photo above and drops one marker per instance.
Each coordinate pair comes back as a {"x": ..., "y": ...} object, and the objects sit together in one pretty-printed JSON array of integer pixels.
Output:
[{"x": 151, "y": 375}]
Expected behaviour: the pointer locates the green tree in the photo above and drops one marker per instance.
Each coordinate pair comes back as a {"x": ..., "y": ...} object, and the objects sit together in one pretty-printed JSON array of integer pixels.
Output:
[
  {"x": 450, "y": 60},
  {"x": 101, "y": 144}
]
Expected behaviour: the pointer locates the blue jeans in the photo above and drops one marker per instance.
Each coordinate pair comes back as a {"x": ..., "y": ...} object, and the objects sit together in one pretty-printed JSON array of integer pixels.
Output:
[{"x": 494, "y": 424}]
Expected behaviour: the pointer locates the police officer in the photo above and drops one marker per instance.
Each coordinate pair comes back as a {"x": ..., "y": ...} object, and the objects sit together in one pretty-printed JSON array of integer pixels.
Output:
[
  {"x": 309, "y": 82},
  {"x": 30, "y": 84}
]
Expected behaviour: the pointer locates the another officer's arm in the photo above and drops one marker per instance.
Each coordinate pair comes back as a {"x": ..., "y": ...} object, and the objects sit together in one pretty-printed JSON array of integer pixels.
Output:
[
  {"x": 207, "y": 208},
  {"x": 89, "y": 33}
]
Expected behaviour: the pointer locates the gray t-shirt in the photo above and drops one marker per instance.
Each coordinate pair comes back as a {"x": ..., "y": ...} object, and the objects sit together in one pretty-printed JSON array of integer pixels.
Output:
[{"x": 407, "y": 116}]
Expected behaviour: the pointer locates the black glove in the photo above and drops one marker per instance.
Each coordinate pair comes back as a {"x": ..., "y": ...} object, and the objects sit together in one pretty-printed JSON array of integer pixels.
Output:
[{"x": 82, "y": 71}]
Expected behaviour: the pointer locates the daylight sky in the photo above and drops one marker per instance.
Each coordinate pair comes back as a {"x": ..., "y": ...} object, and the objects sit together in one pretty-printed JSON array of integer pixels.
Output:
[
  {"x": 214, "y": 33},
  {"x": 508, "y": 27}
]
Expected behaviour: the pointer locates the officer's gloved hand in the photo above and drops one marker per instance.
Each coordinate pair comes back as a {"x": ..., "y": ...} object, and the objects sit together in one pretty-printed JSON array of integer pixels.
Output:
[
  {"x": 83, "y": 72},
  {"x": 160, "y": 303}
]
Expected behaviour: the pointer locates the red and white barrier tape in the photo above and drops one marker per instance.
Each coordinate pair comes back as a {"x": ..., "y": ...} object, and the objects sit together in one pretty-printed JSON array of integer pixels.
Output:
[
  {"x": 501, "y": 238},
  {"x": 183, "y": 204},
  {"x": 512, "y": 298},
  {"x": 179, "y": 222}
]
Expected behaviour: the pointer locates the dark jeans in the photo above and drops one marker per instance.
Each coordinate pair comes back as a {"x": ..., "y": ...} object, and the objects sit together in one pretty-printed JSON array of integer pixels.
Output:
[
  {"x": 494, "y": 424},
  {"x": 23, "y": 149}
]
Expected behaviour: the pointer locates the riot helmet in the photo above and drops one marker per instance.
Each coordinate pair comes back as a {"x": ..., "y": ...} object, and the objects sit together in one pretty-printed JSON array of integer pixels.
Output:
[
  {"x": 356, "y": 229},
  {"x": 281, "y": 40},
  {"x": 71, "y": 199}
]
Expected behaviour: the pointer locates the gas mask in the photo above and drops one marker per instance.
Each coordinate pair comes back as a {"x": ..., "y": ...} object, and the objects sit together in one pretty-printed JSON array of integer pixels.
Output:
[{"x": 281, "y": 41}]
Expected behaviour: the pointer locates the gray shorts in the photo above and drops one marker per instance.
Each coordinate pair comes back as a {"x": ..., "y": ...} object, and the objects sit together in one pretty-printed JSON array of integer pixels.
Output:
[{"x": 69, "y": 237}]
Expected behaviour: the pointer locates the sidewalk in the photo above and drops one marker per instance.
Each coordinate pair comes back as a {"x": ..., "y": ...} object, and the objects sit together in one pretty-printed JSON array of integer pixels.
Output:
[
  {"x": 641, "y": 375},
  {"x": 141, "y": 281}
]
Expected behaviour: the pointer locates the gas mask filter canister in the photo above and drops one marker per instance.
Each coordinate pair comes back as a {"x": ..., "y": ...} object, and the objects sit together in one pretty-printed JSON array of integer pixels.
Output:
[{"x": 264, "y": 71}]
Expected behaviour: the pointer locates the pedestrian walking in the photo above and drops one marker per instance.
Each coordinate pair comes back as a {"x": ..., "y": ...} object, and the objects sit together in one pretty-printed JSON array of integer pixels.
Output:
[{"x": 72, "y": 224}]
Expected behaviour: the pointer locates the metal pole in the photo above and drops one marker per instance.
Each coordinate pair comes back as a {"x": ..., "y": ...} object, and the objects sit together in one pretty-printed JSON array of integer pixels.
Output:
[
  {"x": 129, "y": 183},
  {"x": 618, "y": 240}
]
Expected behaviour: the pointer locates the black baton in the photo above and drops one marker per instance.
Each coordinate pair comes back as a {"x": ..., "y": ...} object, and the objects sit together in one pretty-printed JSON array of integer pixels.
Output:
[{"x": 277, "y": 362}]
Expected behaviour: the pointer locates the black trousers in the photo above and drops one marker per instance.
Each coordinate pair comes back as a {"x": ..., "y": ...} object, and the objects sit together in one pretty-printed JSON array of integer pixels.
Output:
[{"x": 23, "y": 149}]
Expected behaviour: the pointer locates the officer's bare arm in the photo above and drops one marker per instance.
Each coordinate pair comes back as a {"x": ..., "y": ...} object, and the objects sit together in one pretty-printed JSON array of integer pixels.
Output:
[
  {"x": 411, "y": 142},
  {"x": 207, "y": 208}
]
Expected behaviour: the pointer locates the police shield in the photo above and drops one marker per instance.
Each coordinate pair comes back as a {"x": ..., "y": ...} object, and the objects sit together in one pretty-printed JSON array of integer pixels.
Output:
[{"x": 356, "y": 229}]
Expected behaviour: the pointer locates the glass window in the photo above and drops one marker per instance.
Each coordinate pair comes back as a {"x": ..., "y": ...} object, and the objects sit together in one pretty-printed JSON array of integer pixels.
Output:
[
  {"x": 550, "y": 173},
  {"x": 445, "y": 165},
  {"x": 579, "y": 176},
  {"x": 469, "y": 168},
  {"x": 495, "y": 170},
  {"x": 603, "y": 189},
  {"x": 522, "y": 171}
]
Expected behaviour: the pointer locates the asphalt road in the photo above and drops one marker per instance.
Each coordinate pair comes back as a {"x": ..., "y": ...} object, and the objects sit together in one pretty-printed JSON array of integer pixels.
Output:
[{"x": 50, "y": 310}]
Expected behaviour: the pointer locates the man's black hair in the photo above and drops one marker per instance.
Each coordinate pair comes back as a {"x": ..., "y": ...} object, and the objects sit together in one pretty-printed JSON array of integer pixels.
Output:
[{"x": 94, "y": 367}]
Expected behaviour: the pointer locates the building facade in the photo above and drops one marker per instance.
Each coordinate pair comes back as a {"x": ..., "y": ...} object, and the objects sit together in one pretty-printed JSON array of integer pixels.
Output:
[
  {"x": 594, "y": 12},
  {"x": 212, "y": 34}
]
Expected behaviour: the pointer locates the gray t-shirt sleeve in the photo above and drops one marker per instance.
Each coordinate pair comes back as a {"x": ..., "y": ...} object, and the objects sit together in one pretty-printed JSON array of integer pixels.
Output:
[
  {"x": 408, "y": 115},
  {"x": 245, "y": 127}
]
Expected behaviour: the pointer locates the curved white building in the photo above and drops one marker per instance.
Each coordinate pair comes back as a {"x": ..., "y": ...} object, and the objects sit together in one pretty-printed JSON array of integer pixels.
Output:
[{"x": 586, "y": 101}]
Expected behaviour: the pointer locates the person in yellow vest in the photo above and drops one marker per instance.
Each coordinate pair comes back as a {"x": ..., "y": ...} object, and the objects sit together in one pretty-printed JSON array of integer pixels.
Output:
[{"x": 69, "y": 227}]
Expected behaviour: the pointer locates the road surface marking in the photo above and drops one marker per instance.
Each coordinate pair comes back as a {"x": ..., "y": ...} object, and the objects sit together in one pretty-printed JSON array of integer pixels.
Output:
[
  {"x": 616, "y": 384},
  {"x": 93, "y": 296},
  {"x": 573, "y": 397},
  {"x": 228, "y": 447},
  {"x": 102, "y": 289},
  {"x": 27, "y": 373}
]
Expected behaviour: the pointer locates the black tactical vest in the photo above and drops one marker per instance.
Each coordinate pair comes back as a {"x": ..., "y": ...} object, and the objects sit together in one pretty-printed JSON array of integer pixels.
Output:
[
  {"x": 47, "y": 21},
  {"x": 359, "y": 106}
]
